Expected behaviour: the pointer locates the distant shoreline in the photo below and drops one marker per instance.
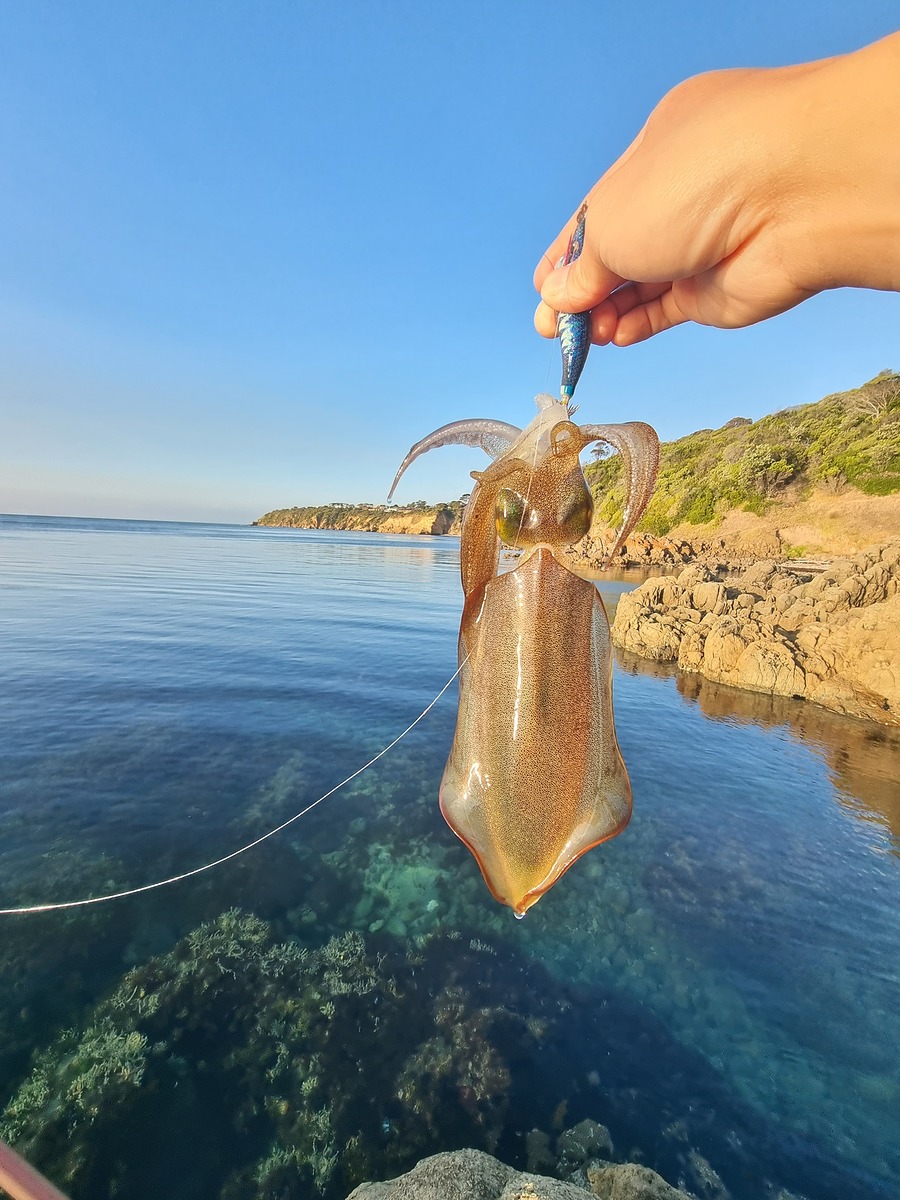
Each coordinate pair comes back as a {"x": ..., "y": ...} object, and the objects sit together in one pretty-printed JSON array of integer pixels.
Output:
[{"x": 437, "y": 519}]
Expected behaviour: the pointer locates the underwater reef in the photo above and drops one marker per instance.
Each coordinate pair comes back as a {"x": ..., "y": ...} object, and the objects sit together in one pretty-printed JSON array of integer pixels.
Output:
[
  {"x": 246, "y": 1065},
  {"x": 283, "y": 1063}
]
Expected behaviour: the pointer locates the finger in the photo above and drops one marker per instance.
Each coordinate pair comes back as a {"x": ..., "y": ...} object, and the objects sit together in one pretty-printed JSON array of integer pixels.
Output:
[
  {"x": 630, "y": 295},
  {"x": 653, "y": 304},
  {"x": 580, "y": 285},
  {"x": 647, "y": 318},
  {"x": 544, "y": 267},
  {"x": 738, "y": 291},
  {"x": 546, "y": 321},
  {"x": 605, "y": 317}
]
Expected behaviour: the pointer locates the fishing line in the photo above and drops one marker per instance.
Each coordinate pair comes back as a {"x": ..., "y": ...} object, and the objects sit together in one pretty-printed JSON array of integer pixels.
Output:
[
  {"x": 551, "y": 355},
  {"x": 149, "y": 887}
]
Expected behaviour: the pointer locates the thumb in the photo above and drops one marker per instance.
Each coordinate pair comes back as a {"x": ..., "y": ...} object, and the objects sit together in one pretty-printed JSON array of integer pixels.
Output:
[{"x": 580, "y": 285}]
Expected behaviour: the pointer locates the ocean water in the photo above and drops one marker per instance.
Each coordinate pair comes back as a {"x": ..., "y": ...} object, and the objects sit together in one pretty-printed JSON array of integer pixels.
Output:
[{"x": 720, "y": 985}]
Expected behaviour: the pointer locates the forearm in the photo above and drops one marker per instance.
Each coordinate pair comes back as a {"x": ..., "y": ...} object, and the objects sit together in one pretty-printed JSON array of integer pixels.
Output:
[{"x": 851, "y": 162}]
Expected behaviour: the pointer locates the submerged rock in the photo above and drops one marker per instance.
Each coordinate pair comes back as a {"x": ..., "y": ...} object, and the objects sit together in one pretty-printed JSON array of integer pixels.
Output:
[
  {"x": 629, "y": 1181},
  {"x": 583, "y": 1143},
  {"x": 833, "y": 639}
]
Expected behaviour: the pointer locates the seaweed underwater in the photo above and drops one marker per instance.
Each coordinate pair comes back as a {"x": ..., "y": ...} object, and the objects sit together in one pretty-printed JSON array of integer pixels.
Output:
[{"x": 302, "y": 1071}]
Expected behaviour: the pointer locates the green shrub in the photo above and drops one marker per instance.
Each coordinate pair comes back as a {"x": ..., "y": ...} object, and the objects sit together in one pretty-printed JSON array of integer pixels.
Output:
[
  {"x": 879, "y": 485},
  {"x": 702, "y": 509}
]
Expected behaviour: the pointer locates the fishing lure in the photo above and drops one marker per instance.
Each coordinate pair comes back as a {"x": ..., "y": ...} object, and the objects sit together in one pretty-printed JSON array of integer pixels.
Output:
[{"x": 573, "y": 329}]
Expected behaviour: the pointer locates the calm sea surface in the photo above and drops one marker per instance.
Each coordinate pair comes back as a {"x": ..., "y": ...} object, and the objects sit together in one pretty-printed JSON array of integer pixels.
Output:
[{"x": 724, "y": 977}]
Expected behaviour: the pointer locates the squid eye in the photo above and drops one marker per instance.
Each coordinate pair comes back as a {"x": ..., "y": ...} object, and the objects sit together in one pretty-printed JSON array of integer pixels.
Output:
[
  {"x": 575, "y": 516},
  {"x": 509, "y": 513}
]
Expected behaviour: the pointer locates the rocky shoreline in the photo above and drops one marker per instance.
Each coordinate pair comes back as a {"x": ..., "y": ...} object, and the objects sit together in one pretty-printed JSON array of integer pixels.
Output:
[
  {"x": 592, "y": 552},
  {"x": 832, "y": 637},
  {"x": 823, "y": 631},
  {"x": 647, "y": 550}
]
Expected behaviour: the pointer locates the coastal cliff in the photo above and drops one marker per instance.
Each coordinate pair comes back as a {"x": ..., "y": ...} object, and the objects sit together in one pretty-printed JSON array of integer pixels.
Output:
[{"x": 371, "y": 518}]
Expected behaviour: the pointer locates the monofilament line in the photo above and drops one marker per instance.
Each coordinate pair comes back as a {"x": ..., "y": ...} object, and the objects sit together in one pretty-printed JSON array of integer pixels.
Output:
[{"x": 149, "y": 887}]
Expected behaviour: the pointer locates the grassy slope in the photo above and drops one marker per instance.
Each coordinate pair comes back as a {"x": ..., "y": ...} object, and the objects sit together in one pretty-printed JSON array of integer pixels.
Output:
[{"x": 794, "y": 469}]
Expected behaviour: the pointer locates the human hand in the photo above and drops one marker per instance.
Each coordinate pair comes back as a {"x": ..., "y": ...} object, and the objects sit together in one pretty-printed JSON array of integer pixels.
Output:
[{"x": 746, "y": 192}]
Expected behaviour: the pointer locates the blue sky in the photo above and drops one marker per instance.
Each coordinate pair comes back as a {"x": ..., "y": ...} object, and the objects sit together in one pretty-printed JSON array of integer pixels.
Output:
[{"x": 250, "y": 252}]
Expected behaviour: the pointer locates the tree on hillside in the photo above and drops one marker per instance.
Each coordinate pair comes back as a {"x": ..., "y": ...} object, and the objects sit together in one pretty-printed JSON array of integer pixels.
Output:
[
  {"x": 766, "y": 469},
  {"x": 878, "y": 395}
]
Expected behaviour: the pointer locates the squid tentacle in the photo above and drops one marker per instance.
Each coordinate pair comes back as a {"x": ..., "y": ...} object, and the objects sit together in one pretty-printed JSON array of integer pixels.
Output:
[
  {"x": 638, "y": 445},
  {"x": 494, "y": 438}
]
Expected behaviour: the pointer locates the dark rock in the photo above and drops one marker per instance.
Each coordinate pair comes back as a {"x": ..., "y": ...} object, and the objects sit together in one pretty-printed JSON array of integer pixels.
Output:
[{"x": 583, "y": 1143}]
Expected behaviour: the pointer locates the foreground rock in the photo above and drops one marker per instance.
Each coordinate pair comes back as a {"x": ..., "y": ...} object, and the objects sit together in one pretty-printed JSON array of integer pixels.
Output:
[
  {"x": 833, "y": 639},
  {"x": 473, "y": 1175}
]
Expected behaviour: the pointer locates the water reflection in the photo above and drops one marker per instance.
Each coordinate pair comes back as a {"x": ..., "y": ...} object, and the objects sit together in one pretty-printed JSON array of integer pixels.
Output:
[{"x": 861, "y": 757}]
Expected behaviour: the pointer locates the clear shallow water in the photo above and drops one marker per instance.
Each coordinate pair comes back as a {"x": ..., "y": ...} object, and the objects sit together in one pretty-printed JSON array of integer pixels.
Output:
[{"x": 168, "y": 692}]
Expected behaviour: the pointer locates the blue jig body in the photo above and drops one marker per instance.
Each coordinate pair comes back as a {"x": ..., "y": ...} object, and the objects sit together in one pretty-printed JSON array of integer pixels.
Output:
[{"x": 573, "y": 328}]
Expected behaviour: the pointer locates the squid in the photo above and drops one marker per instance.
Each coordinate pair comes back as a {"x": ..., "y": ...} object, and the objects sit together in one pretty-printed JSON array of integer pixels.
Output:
[{"x": 535, "y": 777}]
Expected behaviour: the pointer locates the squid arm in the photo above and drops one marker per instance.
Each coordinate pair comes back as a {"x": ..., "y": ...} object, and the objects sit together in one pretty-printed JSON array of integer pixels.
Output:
[
  {"x": 494, "y": 438},
  {"x": 480, "y": 545},
  {"x": 638, "y": 445}
]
